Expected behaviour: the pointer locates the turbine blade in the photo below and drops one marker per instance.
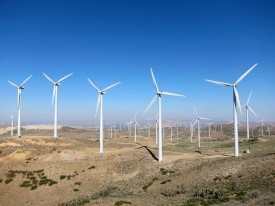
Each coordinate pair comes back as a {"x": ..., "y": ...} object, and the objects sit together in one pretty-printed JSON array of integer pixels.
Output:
[
  {"x": 204, "y": 118},
  {"x": 248, "y": 98},
  {"x": 196, "y": 112},
  {"x": 63, "y": 78},
  {"x": 252, "y": 111},
  {"x": 194, "y": 122},
  {"x": 172, "y": 94},
  {"x": 98, "y": 100},
  {"x": 153, "y": 100},
  {"x": 237, "y": 99},
  {"x": 109, "y": 87},
  {"x": 135, "y": 116},
  {"x": 154, "y": 80},
  {"x": 25, "y": 81},
  {"x": 49, "y": 78},
  {"x": 240, "y": 79},
  {"x": 220, "y": 83},
  {"x": 94, "y": 86},
  {"x": 13, "y": 84},
  {"x": 136, "y": 123},
  {"x": 13, "y": 110}
]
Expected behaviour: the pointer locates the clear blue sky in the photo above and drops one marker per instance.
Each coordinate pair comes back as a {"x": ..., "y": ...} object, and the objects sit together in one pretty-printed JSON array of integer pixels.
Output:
[{"x": 185, "y": 42}]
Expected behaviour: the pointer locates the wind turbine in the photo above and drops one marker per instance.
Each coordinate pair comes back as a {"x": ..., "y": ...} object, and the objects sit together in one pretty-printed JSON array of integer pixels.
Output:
[
  {"x": 268, "y": 130},
  {"x": 54, "y": 97},
  {"x": 11, "y": 116},
  {"x": 100, "y": 99},
  {"x": 157, "y": 129},
  {"x": 236, "y": 100},
  {"x": 19, "y": 88},
  {"x": 221, "y": 127},
  {"x": 248, "y": 108},
  {"x": 198, "y": 120},
  {"x": 171, "y": 128},
  {"x": 192, "y": 129},
  {"x": 262, "y": 125},
  {"x": 136, "y": 124},
  {"x": 159, "y": 94}
]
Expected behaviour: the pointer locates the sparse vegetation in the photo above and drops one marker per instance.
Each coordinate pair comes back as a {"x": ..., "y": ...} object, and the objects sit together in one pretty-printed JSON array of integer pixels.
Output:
[
  {"x": 62, "y": 177},
  {"x": 121, "y": 202},
  {"x": 7, "y": 181}
]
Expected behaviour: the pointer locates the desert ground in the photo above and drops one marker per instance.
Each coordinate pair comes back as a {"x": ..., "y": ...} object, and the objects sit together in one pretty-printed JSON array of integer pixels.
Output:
[{"x": 38, "y": 169}]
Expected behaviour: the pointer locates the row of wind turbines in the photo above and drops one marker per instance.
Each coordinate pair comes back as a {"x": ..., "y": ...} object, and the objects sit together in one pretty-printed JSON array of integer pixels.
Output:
[{"x": 236, "y": 105}]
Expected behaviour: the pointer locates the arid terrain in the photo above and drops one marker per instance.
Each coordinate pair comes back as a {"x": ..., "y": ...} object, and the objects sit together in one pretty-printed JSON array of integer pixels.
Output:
[{"x": 38, "y": 169}]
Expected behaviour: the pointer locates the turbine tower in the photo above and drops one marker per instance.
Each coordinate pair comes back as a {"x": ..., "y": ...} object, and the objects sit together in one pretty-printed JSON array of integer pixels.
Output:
[
  {"x": 19, "y": 88},
  {"x": 236, "y": 101},
  {"x": 100, "y": 99},
  {"x": 159, "y": 94},
  {"x": 54, "y": 98},
  {"x": 248, "y": 108}
]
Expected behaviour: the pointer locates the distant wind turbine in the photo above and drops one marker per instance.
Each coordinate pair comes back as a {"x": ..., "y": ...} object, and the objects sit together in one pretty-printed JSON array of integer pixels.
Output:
[
  {"x": 192, "y": 129},
  {"x": 100, "y": 99},
  {"x": 19, "y": 88},
  {"x": 198, "y": 120},
  {"x": 136, "y": 124},
  {"x": 247, "y": 121},
  {"x": 236, "y": 100},
  {"x": 54, "y": 97},
  {"x": 262, "y": 125},
  {"x": 11, "y": 116},
  {"x": 159, "y": 94},
  {"x": 157, "y": 129}
]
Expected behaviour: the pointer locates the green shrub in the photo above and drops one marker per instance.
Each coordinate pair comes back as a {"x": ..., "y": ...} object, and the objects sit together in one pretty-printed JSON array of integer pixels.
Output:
[
  {"x": 7, "y": 181},
  {"x": 33, "y": 187},
  {"x": 26, "y": 184},
  {"x": 62, "y": 177},
  {"x": 121, "y": 202}
]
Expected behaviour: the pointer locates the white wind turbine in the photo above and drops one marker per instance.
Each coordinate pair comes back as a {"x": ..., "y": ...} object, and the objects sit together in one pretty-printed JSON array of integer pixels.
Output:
[
  {"x": 262, "y": 125},
  {"x": 100, "y": 99},
  {"x": 19, "y": 88},
  {"x": 235, "y": 101},
  {"x": 54, "y": 98},
  {"x": 198, "y": 120},
  {"x": 247, "y": 121},
  {"x": 157, "y": 129},
  {"x": 171, "y": 129},
  {"x": 136, "y": 124},
  {"x": 192, "y": 129},
  {"x": 159, "y": 94},
  {"x": 11, "y": 116}
]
